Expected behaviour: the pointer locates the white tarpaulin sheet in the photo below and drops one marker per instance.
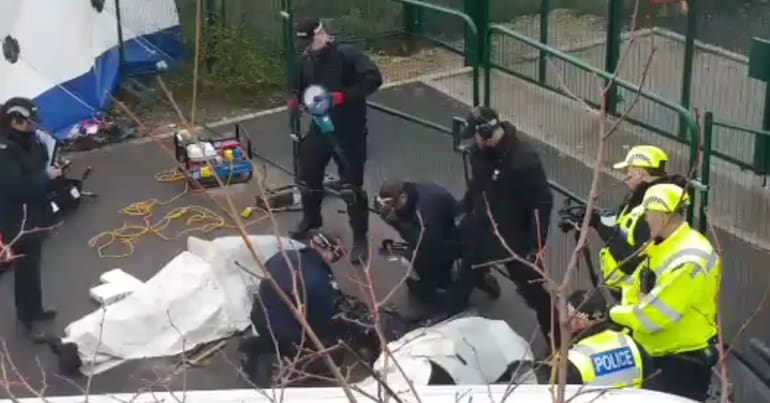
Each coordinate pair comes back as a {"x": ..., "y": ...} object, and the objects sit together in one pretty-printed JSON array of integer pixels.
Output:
[
  {"x": 472, "y": 350},
  {"x": 200, "y": 296}
]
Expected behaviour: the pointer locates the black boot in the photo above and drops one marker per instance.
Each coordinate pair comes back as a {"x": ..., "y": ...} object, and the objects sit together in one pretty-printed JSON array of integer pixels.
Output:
[
  {"x": 359, "y": 222},
  {"x": 311, "y": 214},
  {"x": 36, "y": 331}
]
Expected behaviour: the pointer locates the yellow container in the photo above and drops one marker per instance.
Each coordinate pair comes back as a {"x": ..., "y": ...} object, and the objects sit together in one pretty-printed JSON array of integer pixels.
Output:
[
  {"x": 206, "y": 172},
  {"x": 229, "y": 155}
]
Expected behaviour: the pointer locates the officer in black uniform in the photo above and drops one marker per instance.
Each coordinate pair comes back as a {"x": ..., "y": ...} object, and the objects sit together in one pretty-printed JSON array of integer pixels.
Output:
[
  {"x": 24, "y": 183},
  {"x": 349, "y": 76},
  {"x": 508, "y": 177},
  {"x": 424, "y": 214}
]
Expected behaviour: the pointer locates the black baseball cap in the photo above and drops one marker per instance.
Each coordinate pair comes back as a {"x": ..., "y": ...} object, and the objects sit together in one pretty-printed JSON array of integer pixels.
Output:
[
  {"x": 480, "y": 118},
  {"x": 307, "y": 28},
  {"x": 587, "y": 304},
  {"x": 18, "y": 107}
]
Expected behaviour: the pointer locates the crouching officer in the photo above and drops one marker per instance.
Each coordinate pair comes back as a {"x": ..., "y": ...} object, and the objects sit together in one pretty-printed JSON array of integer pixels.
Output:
[
  {"x": 350, "y": 77},
  {"x": 303, "y": 275},
  {"x": 644, "y": 166},
  {"x": 600, "y": 355},
  {"x": 509, "y": 184},
  {"x": 424, "y": 215},
  {"x": 24, "y": 184},
  {"x": 671, "y": 307}
]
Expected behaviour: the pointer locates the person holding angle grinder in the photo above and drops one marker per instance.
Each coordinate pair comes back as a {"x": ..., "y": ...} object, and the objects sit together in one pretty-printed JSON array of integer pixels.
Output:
[
  {"x": 24, "y": 208},
  {"x": 349, "y": 77}
]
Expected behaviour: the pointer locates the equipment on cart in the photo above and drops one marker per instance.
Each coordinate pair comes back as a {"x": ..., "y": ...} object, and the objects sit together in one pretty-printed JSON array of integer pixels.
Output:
[{"x": 226, "y": 158}]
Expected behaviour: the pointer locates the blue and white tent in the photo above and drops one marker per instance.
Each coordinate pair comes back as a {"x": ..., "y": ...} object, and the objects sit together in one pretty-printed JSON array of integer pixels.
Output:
[{"x": 66, "y": 54}]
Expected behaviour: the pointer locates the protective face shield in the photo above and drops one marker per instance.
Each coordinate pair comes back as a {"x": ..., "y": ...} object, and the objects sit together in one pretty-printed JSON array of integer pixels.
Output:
[
  {"x": 486, "y": 128},
  {"x": 329, "y": 244},
  {"x": 308, "y": 38},
  {"x": 385, "y": 206},
  {"x": 483, "y": 122}
]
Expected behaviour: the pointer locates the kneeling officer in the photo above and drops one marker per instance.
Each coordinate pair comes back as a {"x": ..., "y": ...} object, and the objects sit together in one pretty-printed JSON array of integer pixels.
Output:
[{"x": 424, "y": 215}]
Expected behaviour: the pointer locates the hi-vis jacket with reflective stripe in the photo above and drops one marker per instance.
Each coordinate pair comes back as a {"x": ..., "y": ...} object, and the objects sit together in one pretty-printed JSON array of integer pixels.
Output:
[
  {"x": 679, "y": 314},
  {"x": 608, "y": 358},
  {"x": 626, "y": 222}
]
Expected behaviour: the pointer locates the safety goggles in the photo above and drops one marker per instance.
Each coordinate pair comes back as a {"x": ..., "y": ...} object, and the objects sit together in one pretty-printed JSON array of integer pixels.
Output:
[{"x": 327, "y": 243}]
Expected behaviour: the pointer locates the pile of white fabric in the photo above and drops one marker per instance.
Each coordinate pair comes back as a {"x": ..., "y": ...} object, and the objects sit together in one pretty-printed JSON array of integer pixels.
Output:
[{"x": 202, "y": 295}]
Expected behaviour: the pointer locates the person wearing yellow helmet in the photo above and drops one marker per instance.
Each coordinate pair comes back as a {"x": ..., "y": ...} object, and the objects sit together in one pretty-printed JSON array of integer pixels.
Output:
[
  {"x": 671, "y": 305},
  {"x": 645, "y": 166}
]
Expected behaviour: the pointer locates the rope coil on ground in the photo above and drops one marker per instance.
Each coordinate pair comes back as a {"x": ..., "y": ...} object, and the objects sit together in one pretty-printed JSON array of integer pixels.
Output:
[{"x": 196, "y": 219}]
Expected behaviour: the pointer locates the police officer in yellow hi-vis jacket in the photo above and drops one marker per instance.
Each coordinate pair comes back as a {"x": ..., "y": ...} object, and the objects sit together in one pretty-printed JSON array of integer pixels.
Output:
[
  {"x": 671, "y": 306},
  {"x": 600, "y": 355},
  {"x": 645, "y": 166}
]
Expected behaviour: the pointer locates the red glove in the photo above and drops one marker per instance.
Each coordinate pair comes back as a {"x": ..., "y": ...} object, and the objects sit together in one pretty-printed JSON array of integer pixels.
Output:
[{"x": 338, "y": 98}]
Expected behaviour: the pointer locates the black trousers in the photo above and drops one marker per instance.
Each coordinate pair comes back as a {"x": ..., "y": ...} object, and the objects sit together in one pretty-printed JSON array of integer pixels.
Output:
[
  {"x": 349, "y": 154},
  {"x": 682, "y": 376},
  {"x": 529, "y": 284},
  {"x": 28, "y": 293}
]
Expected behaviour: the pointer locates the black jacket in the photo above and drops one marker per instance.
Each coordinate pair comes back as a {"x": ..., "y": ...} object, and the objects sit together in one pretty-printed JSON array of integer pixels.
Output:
[
  {"x": 439, "y": 246},
  {"x": 617, "y": 243},
  {"x": 341, "y": 68},
  {"x": 23, "y": 181},
  {"x": 314, "y": 286},
  {"x": 515, "y": 184}
]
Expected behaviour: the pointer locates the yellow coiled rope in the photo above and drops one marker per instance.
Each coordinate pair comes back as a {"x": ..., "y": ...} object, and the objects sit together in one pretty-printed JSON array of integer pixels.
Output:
[{"x": 196, "y": 219}]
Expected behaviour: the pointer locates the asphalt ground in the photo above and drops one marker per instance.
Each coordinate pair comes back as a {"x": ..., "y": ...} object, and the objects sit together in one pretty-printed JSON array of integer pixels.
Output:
[{"x": 124, "y": 174}]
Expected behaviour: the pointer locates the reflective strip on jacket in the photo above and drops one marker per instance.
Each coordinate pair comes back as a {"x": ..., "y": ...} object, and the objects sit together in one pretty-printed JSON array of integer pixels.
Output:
[
  {"x": 679, "y": 313},
  {"x": 608, "y": 359},
  {"x": 626, "y": 222}
]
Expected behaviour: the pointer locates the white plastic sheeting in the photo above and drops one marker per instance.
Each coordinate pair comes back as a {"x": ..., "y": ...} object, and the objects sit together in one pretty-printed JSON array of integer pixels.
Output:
[
  {"x": 200, "y": 296},
  {"x": 68, "y": 57},
  {"x": 472, "y": 350}
]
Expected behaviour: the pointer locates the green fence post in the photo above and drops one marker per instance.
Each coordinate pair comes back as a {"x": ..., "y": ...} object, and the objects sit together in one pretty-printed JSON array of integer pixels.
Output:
[
  {"x": 759, "y": 69},
  {"x": 413, "y": 20},
  {"x": 545, "y": 9},
  {"x": 121, "y": 45},
  {"x": 612, "y": 56},
  {"x": 689, "y": 58},
  {"x": 478, "y": 10},
  {"x": 762, "y": 143},
  {"x": 708, "y": 135}
]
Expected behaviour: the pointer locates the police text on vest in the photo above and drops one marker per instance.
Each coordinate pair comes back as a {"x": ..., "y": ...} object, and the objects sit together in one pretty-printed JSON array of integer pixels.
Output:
[{"x": 613, "y": 361}]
